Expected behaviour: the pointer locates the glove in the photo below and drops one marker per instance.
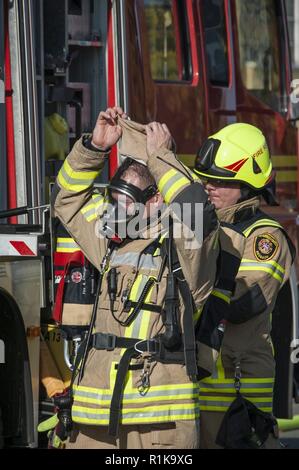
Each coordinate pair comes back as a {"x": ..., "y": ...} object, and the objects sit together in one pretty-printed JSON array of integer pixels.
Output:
[
  {"x": 133, "y": 141},
  {"x": 60, "y": 425}
]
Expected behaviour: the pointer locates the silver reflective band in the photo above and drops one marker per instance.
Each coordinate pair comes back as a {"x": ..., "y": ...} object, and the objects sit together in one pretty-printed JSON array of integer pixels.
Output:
[
  {"x": 75, "y": 181},
  {"x": 130, "y": 415},
  {"x": 132, "y": 396},
  {"x": 134, "y": 259}
]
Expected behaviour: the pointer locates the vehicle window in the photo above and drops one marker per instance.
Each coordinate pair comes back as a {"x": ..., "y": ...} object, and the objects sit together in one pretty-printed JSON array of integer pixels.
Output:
[
  {"x": 259, "y": 49},
  {"x": 216, "y": 41},
  {"x": 168, "y": 39}
]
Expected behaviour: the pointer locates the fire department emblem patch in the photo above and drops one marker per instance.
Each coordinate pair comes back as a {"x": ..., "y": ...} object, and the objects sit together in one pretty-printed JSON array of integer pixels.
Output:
[
  {"x": 76, "y": 277},
  {"x": 265, "y": 246}
]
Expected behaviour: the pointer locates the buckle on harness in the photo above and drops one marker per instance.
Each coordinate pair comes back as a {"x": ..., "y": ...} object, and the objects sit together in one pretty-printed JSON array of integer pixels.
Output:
[
  {"x": 147, "y": 345},
  {"x": 104, "y": 341}
]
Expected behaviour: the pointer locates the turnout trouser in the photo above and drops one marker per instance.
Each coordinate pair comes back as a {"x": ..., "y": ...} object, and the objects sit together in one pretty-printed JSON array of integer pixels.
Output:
[{"x": 177, "y": 435}]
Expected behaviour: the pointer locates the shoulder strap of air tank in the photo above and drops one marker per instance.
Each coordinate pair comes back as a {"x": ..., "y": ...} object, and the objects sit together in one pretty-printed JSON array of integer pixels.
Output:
[{"x": 188, "y": 336}]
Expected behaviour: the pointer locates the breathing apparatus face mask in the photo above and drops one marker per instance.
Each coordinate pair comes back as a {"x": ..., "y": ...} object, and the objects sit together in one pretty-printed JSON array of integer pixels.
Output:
[{"x": 126, "y": 202}]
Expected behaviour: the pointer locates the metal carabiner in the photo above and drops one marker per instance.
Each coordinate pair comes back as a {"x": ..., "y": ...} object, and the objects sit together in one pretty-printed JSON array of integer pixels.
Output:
[{"x": 238, "y": 376}]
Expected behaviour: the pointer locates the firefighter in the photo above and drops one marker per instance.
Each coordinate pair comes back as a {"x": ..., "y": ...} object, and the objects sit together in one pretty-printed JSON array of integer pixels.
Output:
[
  {"x": 136, "y": 375},
  {"x": 235, "y": 166}
]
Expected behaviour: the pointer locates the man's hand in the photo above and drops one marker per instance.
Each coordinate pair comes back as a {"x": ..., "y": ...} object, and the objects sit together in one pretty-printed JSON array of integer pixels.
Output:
[
  {"x": 106, "y": 132},
  {"x": 158, "y": 136}
]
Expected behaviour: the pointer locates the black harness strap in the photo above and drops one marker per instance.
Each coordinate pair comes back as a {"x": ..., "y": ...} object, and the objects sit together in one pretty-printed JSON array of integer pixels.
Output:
[
  {"x": 134, "y": 347},
  {"x": 151, "y": 346},
  {"x": 189, "y": 330},
  {"x": 118, "y": 391},
  {"x": 189, "y": 308},
  {"x": 149, "y": 307}
]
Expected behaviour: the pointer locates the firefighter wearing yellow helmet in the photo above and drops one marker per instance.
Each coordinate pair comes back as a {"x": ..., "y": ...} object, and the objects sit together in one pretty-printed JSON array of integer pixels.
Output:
[{"x": 236, "y": 401}]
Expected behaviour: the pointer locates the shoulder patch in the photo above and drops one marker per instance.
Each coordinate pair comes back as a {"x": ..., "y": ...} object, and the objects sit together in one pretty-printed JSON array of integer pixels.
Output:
[{"x": 265, "y": 246}]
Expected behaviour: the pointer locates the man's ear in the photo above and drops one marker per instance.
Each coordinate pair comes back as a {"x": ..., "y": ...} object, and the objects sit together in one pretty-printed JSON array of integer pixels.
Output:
[{"x": 158, "y": 198}]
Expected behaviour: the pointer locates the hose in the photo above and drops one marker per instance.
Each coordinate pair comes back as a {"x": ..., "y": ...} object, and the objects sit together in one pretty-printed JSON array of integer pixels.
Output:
[{"x": 288, "y": 424}]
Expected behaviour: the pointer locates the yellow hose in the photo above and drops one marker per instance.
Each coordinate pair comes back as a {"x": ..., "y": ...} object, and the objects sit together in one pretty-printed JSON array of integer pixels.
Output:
[{"x": 288, "y": 424}]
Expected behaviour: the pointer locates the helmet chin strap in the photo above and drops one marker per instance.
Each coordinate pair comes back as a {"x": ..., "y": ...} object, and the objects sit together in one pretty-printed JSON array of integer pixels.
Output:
[{"x": 268, "y": 194}]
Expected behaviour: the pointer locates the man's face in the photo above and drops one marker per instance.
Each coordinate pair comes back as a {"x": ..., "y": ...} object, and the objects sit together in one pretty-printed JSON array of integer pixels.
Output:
[
  {"x": 223, "y": 194},
  {"x": 151, "y": 206}
]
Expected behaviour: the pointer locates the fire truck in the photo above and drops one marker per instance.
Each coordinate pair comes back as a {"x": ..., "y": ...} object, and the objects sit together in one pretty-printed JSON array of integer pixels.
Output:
[{"x": 196, "y": 65}]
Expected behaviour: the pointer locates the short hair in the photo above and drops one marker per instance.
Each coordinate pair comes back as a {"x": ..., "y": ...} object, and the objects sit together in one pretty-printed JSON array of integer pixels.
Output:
[{"x": 139, "y": 169}]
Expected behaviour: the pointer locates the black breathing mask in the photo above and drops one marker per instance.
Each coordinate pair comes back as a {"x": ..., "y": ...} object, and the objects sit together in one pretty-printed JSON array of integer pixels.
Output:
[{"x": 125, "y": 203}]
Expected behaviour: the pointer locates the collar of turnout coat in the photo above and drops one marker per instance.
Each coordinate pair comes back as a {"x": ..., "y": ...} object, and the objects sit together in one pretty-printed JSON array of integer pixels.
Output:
[{"x": 235, "y": 213}]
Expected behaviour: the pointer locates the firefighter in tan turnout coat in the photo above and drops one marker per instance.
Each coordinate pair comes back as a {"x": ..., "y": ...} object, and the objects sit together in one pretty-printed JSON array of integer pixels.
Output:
[
  {"x": 136, "y": 386},
  {"x": 236, "y": 168}
]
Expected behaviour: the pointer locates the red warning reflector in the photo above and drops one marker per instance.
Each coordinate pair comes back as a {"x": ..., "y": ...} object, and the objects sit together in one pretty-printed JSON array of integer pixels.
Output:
[{"x": 22, "y": 248}]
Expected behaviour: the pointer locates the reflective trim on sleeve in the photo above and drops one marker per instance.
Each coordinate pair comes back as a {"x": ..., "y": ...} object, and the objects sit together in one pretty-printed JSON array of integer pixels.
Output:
[
  {"x": 90, "y": 210},
  {"x": 222, "y": 294},
  {"x": 75, "y": 181},
  {"x": 271, "y": 267},
  {"x": 171, "y": 183},
  {"x": 261, "y": 223}
]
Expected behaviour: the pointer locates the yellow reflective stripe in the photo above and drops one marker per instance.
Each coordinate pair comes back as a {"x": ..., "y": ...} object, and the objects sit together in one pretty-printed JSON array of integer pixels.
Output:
[
  {"x": 266, "y": 270},
  {"x": 81, "y": 175},
  {"x": 187, "y": 393},
  {"x": 66, "y": 240},
  {"x": 67, "y": 250},
  {"x": 75, "y": 181},
  {"x": 91, "y": 217},
  {"x": 261, "y": 266},
  {"x": 161, "y": 239},
  {"x": 145, "y": 317},
  {"x": 218, "y": 372},
  {"x": 183, "y": 181},
  {"x": 134, "y": 293},
  {"x": 157, "y": 413},
  {"x": 161, "y": 388},
  {"x": 233, "y": 390},
  {"x": 66, "y": 245},
  {"x": 272, "y": 262},
  {"x": 228, "y": 386},
  {"x": 259, "y": 223},
  {"x": 90, "y": 209},
  {"x": 197, "y": 314},
  {"x": 97, "y": 197},
  {"x": 221, "y": 295},
  {"x": 266, "y": 409},
  {"x": 223, "y": 403},
  {"x": 243, "y": 380},
  {"x": 169, "y": 175},
  {"x": 170, "y": 183},
  {"x": 230, "y": 399},
  {"x": 87, "y": 208}
]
